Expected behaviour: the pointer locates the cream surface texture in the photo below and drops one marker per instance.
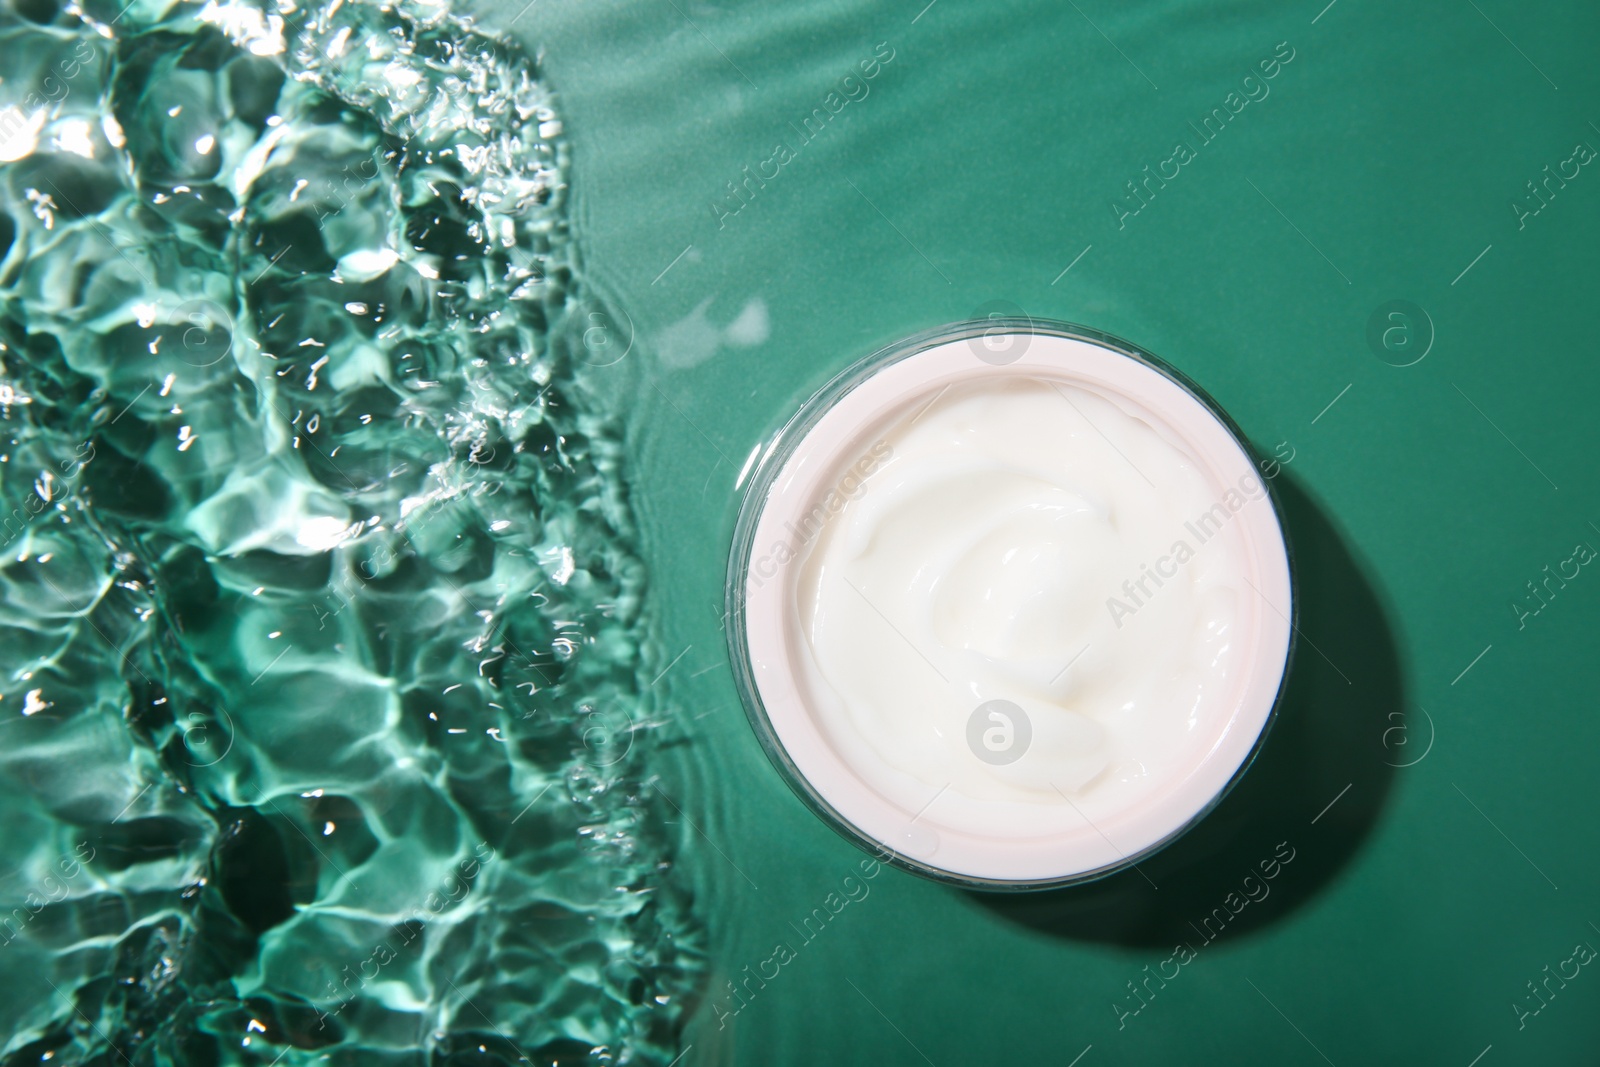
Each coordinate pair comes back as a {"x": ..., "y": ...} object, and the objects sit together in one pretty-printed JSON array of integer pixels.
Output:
[{"x": 1019, "y": 605}]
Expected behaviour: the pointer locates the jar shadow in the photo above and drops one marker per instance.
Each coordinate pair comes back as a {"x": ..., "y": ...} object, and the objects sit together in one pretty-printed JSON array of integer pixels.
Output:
[{"x": 1316, "y": 790}]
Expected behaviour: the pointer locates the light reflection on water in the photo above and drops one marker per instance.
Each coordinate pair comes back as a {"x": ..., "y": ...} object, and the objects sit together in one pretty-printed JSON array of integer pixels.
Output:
[{"x": 319, "y": 613}]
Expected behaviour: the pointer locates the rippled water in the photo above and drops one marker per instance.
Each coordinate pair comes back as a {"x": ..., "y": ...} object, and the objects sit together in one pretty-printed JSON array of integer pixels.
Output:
[{"x": 323, "y": 714}]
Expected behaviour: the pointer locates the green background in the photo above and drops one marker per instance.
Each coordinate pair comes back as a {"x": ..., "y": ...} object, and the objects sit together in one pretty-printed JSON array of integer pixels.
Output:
[{"x": 983, "y": 162}]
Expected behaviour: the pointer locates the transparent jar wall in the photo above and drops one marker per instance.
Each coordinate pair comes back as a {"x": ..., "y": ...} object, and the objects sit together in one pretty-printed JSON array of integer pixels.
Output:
[{"x": 967, "y": 351}]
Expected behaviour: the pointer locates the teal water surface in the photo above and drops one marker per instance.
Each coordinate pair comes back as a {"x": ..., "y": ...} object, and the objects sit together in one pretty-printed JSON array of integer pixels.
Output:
[
  {"x": 762, "y": 195},
  {"x": 1388, "y": 160},
  {"x": 324, "y": 705}
]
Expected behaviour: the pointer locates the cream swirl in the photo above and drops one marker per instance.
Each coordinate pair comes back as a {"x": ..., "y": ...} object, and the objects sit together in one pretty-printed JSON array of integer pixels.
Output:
[{"x": 1032, "y": 599}]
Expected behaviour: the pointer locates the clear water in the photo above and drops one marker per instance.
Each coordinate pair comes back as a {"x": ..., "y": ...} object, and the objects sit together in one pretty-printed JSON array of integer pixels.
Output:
[{"x": 324, "y": 703}]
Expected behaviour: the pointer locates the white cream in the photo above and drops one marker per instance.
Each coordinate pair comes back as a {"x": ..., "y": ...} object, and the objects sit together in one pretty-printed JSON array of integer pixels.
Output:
[
  {"x": 1019, "y": 623},
  {"x": 1024, "y": 541}
]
